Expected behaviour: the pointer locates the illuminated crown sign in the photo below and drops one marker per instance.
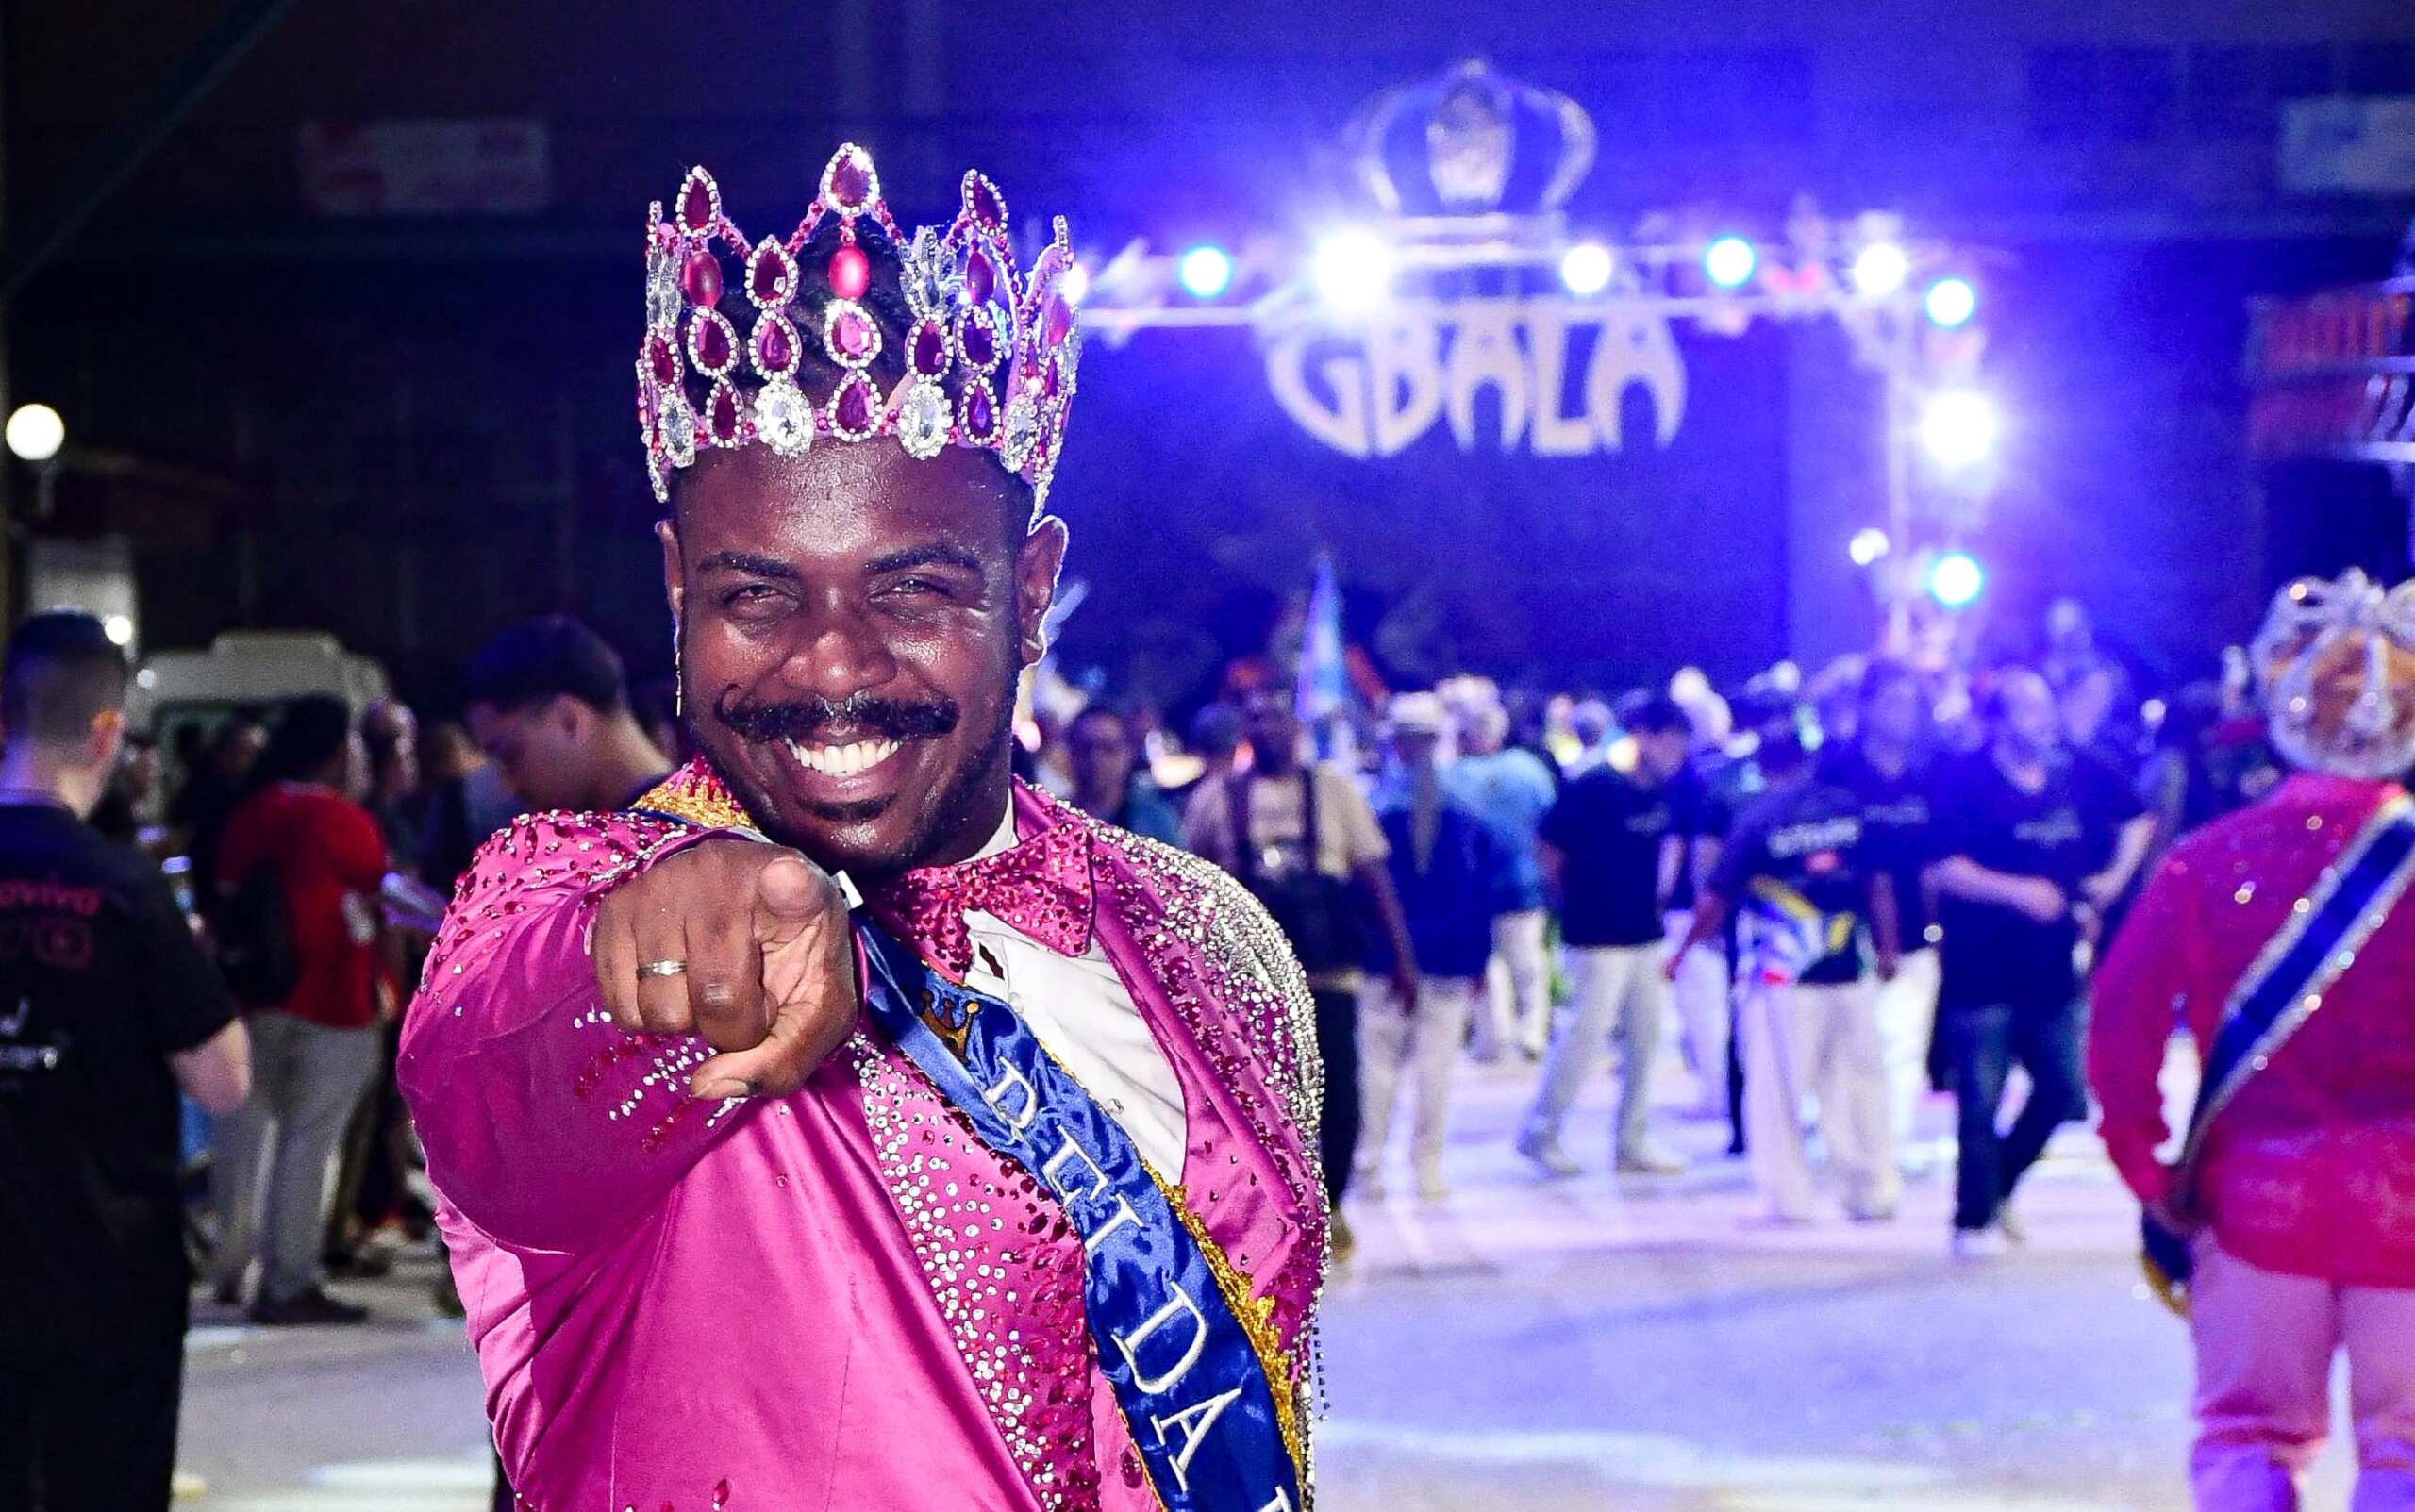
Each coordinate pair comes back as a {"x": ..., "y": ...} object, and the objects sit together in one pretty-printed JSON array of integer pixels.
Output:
[
  {"x": 989, "y": 356},
  {"x": 1473, "y": 143}
]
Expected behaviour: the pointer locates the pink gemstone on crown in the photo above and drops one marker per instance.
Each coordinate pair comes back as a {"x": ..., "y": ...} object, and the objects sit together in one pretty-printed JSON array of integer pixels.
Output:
[
  {"x": 982, "y": 199},
  {"x": 850, "y": 273},
  {"x": 661, "y": 359},
  {"x": 980, "y": 279},
  {"x": 699, "y": 203},
  {"x": 700, "y": 277},
  {"x": 853, "y": 410},
  {"x": 709, "y": 341},
  {"x": 771, "y": 274},
  {"x": 1057, "y": 322},
  {"x": 930, "y": 349},
  {"x": 724, "y": 413},
  {"x": 980, "y": 411},
  {"x": 976, "y": 339},
  {"x": 775, "y": 345},
  {"x": 853, "y": 335},
  {"x": 849, "y": 182}
]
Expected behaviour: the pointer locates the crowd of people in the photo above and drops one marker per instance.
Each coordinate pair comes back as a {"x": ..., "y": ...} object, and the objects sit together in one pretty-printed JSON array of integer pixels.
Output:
[{"x": 1834, "y": 894}]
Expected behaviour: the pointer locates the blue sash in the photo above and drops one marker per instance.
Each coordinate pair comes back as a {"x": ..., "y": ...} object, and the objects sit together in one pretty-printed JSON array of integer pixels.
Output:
[
  {"x": 1199, "y": 1403},
  {"x": 2276, "y": 997}
]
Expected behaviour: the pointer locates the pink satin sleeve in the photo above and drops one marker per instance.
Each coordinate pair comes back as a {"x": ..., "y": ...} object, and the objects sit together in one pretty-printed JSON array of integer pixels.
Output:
[{"x": 545, "y": 1124}]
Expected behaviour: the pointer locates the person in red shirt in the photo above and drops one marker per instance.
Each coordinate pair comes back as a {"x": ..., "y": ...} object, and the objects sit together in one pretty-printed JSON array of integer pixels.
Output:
[
  {"x": 2295, "y": 1195},
  {"x": 316, "y": 1044}
]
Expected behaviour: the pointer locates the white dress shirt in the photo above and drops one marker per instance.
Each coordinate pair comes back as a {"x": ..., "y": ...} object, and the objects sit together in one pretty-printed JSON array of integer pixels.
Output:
[{"x": 1081, "y": 1014}]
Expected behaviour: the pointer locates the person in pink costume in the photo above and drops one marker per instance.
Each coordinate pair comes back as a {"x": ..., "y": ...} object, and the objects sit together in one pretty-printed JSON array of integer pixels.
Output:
[
  {"x": 846, "y": 1124},
  {"x": 2277, "y": 936}
]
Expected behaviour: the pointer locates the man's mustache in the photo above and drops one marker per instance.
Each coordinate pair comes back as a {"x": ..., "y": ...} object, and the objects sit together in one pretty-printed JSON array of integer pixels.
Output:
[{"x": 797, "y": 718}]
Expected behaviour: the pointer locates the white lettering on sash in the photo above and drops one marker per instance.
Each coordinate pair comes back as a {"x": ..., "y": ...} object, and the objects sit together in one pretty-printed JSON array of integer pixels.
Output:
[
  {"x": 1013, "y": 1080},
  {"x": 1194, "y": 1422},
  {"x": 1282, "y": 1502},
  {"x": 1129, "y": 1346},
  {"x": 1116, "y": 1218}
]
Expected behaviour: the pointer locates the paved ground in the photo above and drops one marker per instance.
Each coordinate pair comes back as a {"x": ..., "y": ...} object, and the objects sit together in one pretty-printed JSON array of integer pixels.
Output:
[{"x": 1630, "y": 1345}]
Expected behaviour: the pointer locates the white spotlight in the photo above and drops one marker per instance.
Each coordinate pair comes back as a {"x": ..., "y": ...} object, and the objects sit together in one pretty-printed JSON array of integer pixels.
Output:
[
  {"x": 35, "y": 433},
  {"x": 1868, "y": 545},
  {"x": 1353, "y": 270},
  {"x": 1959, "y": 428},
  {"x": 1880, "y": 270},
  {"x": 1585, "y": 268}
]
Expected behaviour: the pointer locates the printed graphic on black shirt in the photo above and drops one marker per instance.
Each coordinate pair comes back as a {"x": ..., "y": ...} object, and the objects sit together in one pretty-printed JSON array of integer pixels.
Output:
[
  {"x": 100, "y": 983},
  {"x": 1800, "y": 849}
]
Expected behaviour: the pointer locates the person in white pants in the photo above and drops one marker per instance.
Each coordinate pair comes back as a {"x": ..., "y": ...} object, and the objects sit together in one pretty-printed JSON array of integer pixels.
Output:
[
  {"x": 1885, "y": 765},
  {"x": 1801, "y": 870},
  {"x": 1817, "y": 1041},
  {"x": 1452, "y": 873},
  {"x": 1701, "y": 992},
  {"x": 1518, "y": 985},
  {"x": 1510, "y": 789},
  {"x": 1426, "y": 1044},
  {"x": 1603, "y": 845}
]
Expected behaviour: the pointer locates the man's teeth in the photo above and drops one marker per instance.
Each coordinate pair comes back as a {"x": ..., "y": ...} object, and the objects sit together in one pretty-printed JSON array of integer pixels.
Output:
[{"x": 842, "y": 760}]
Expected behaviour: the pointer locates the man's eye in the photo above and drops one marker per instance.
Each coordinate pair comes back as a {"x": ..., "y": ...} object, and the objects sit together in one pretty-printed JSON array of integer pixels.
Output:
[{"x": 917, "y": 585}]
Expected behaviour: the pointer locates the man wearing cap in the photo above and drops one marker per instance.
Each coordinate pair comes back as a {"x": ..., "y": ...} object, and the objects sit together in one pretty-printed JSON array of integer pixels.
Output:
[{"x": 1454, "y": 875}]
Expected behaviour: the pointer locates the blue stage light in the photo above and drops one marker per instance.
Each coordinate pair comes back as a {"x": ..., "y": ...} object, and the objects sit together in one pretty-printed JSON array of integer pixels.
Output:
[
  {"x": 1956, "y": 579},
  {"x": 1205, "y": 271},
  {"x": 1951, "y": 302},
  {"x": 1729, "y": 261}
]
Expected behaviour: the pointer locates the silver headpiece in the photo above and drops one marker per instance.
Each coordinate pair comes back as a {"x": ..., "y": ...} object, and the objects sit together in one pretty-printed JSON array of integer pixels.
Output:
[{"x": 2336, "y": 661}]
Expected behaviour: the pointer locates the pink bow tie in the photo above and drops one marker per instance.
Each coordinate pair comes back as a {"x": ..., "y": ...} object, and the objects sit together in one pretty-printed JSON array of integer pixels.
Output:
[{"x": 1041, "y": 887}]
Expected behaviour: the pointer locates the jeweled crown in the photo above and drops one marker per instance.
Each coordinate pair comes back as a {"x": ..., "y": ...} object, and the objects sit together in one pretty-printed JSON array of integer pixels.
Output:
[
  {"x": 990, "y": 353},
  {"x": 2337, "y": 661}
]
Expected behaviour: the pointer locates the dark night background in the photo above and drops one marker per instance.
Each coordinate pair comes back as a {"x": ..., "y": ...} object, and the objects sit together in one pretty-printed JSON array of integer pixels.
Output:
[{"x": 411, "y": 431}]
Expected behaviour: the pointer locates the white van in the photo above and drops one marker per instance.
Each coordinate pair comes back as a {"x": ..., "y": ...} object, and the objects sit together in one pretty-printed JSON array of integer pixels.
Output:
[{"x": 247, "y": 669}]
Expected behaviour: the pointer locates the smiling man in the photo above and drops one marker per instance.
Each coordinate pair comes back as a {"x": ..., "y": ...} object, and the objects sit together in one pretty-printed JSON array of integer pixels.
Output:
[{"x": 842, "y": 1123}]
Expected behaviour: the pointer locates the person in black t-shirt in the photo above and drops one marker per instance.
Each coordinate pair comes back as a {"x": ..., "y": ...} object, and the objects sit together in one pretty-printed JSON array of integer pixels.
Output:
[
  {"x": 1886, "y": 766},
  {"x": 1604, "y": 848},
  {"x": 2033, "y": 842},
  {"x": 1817, "y": 912},
  {"x": 107, "y": 1006}
]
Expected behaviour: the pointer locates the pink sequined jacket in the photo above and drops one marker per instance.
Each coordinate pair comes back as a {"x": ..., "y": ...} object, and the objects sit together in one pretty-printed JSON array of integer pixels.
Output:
[
  {"x": 839, "y": 1298},
  {"x": 2311, "y": 1171}
]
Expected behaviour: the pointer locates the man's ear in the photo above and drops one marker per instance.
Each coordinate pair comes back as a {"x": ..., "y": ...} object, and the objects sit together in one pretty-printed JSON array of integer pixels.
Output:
[
  {"x": 574, "y": 719},
  {"x": 675, "y": 577},
  {"x": 107, "y": 740},
  {"x": 1037, "y": 561}
]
